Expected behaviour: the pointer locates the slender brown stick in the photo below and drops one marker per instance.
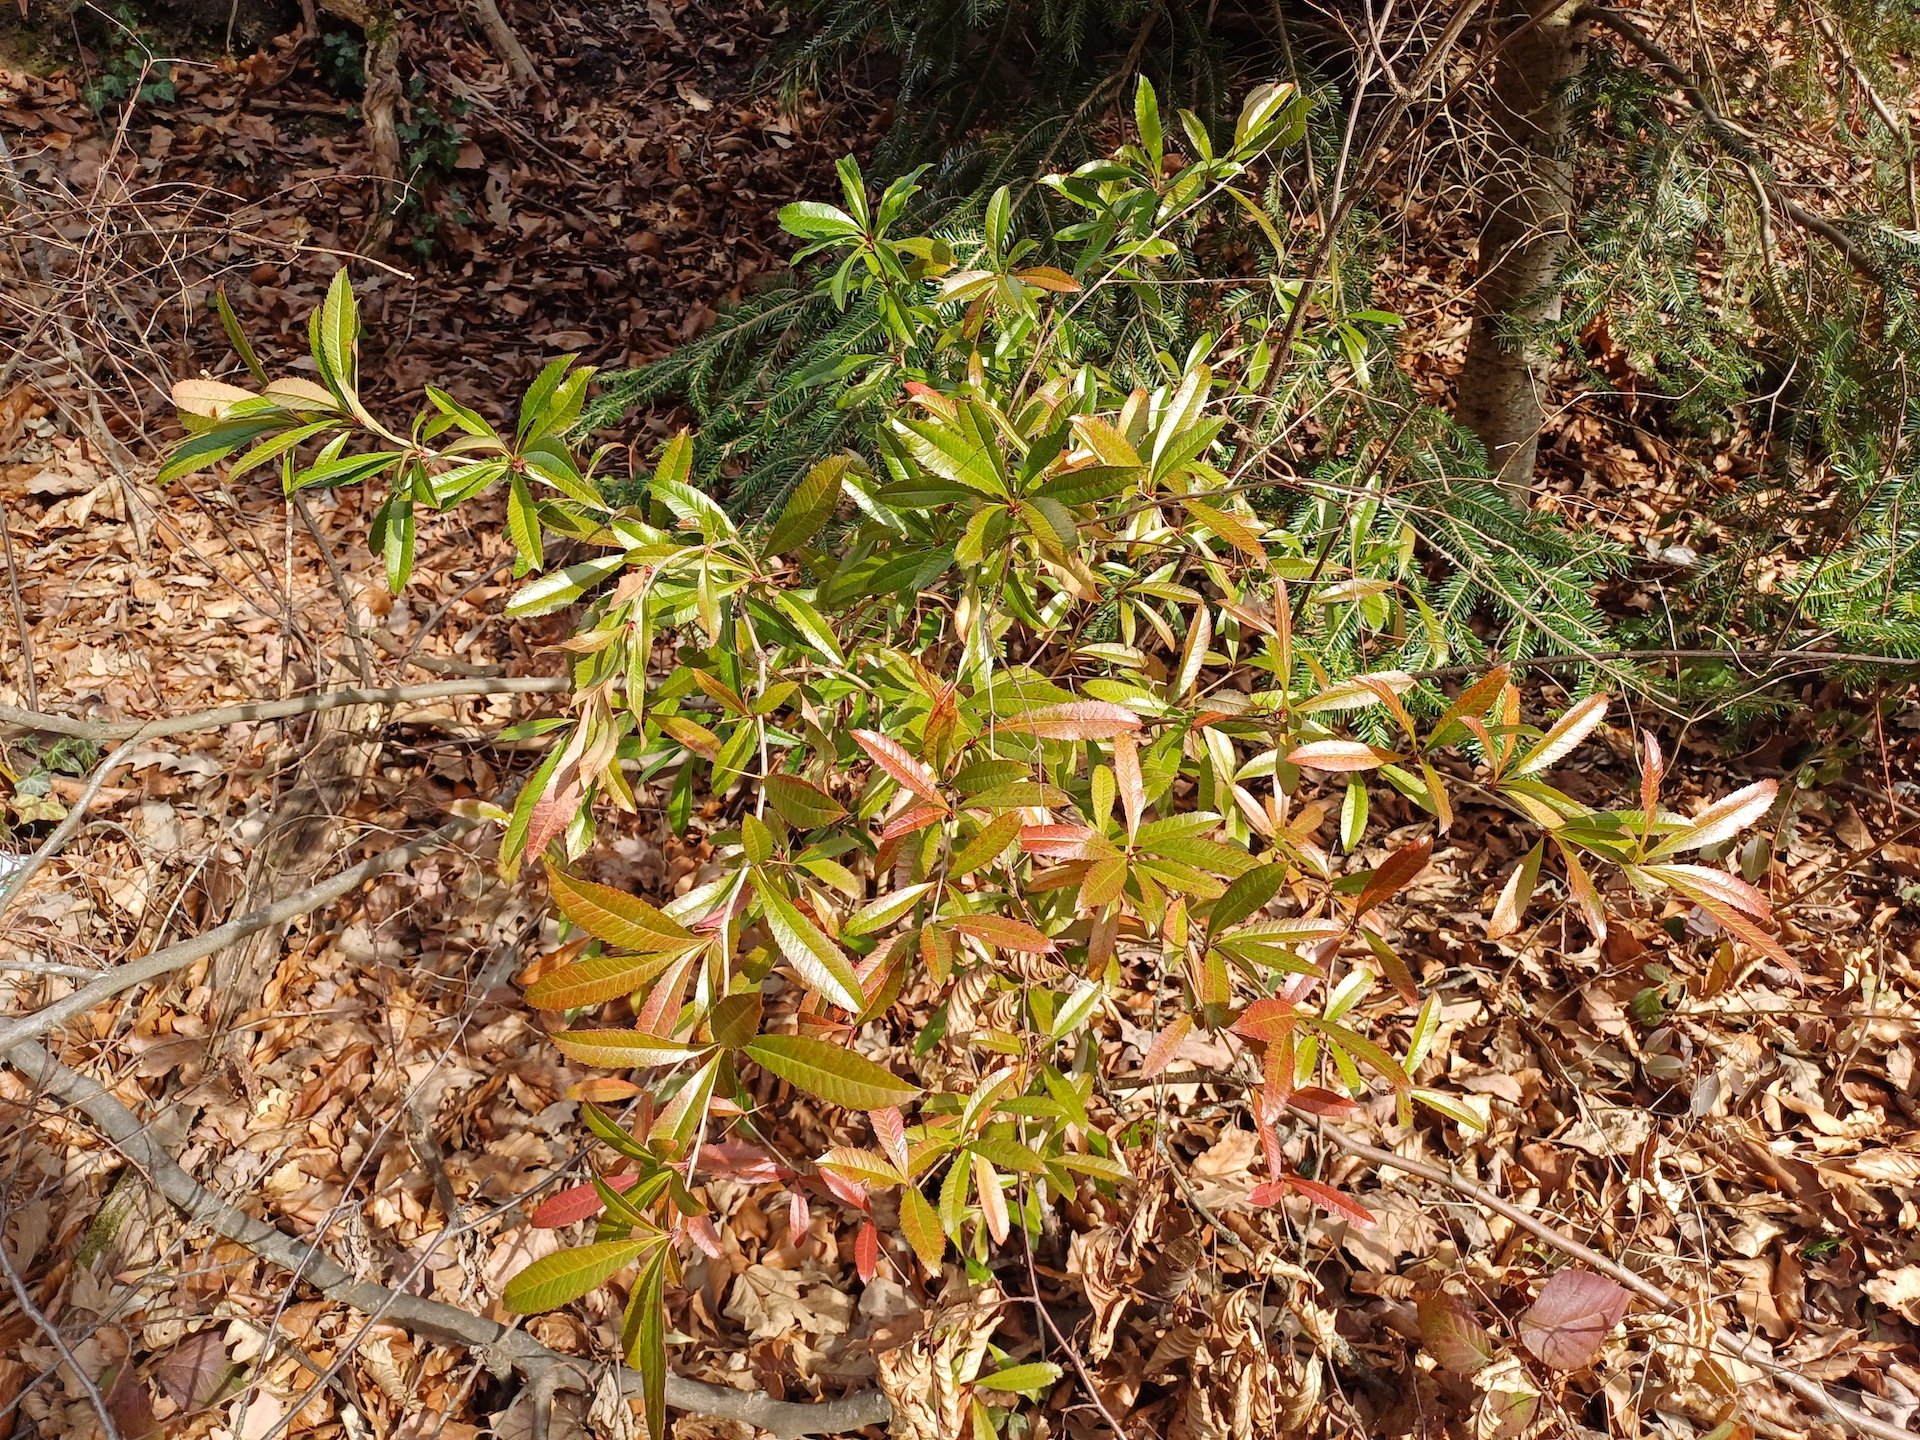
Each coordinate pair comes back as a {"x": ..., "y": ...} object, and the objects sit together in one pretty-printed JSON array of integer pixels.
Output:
[
  {"x": 442, "y": 1323},
  {"x": 98, "y": 730},
  {"x": 177, "y": 956},
  {"x": 19, "y": 613},
  {"x": 1073, "y": 1351}
]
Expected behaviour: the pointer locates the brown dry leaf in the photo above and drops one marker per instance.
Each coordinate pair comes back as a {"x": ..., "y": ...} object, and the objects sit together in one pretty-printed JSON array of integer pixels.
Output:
[
  {"x": 1897, "y": 1290},
  {"x": 772, "y": 1302}
]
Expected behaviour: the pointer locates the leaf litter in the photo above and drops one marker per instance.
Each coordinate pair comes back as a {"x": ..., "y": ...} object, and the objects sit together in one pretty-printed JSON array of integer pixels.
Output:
[{"x": 1742, "y": 1138}]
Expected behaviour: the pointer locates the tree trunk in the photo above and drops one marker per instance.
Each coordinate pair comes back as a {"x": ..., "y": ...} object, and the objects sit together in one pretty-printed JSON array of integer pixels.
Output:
[{"x": 1529, "y": 206}]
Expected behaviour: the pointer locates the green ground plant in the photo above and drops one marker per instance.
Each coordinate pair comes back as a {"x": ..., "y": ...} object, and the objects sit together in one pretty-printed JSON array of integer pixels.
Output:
[{"x": 1016, "y": 695}]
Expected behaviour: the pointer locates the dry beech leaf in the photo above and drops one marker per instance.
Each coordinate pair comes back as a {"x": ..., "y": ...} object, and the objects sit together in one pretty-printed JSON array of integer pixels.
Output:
[{"x": 1575, "y": 1313}]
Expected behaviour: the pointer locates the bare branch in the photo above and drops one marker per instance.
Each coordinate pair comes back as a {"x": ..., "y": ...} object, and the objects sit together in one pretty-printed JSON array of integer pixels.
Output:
[
  {"x": 105, "y": 730},
  {"x": 442, "y": 1323},
  {"x": 198, "y": 947}
]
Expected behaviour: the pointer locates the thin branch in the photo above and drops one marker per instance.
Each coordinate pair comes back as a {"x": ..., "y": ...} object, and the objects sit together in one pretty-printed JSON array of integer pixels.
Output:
[
  {"x": 362, "y": 660},
  {"x": 98, "y": 730},
  {"x": 175, "y": 957},
  {"x": 444, "y": 1324},
  {"x": 19, "y": 612}
]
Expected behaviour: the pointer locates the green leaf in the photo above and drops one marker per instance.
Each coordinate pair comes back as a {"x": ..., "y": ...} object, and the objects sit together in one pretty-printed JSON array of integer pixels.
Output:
[
  {"x": 821, "y": 965},
  {"x": 735, "y": 1020},
  {"x": 756, "y": 839},
  {"x": 553, "y": 1280},
  {"x": 921, "y": 1226},
  {"x": 810, "y": 506},
  {"x": 1146, "y": 119},
  {"x": 598, "y": 980},
  {"x": 238, "y": 337},
  {"x": 802, "y": 805},
  {"x": 1037, "y": 1374},
  {"x": 986, "y": 847},
  {"x": 1245, "y": 896},
  {"x": 833, "y": 1073},
  {"x": 561, "y": 588},
  {"x": 813, "y": 220},
  {"x": 523, "y": 525},
  {"x": 615, "y": 916},
  {"x": 623, "y": 1049},
  {"x": 647, "y": 1312},
  {"x": 338, "y": 334}
]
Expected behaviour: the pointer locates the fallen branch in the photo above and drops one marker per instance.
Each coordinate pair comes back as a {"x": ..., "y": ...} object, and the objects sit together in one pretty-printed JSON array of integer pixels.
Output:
[
  {"x": 501, "y": 1346},
  {"x": 198, "y": 947},
  {"x": 1813, "y": 1393},
  {"x": 256, "y": 710}
]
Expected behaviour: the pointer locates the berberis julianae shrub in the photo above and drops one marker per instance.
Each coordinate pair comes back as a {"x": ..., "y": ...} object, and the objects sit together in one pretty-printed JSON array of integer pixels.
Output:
[{"x": 1036, "y": 695}]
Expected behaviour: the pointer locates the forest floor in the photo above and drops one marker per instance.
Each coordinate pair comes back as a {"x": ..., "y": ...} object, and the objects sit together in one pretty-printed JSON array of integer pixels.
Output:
[{"x": 368, "y": 1078}]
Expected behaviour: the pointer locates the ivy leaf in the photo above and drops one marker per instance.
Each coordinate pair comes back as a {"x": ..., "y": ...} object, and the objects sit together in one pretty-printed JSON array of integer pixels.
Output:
[
  {"x": 836, "y": 1075},
  {"x": 553, "y": 1280}
]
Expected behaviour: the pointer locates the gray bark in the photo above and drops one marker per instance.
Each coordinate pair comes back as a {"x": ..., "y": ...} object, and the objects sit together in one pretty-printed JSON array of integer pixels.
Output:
[{"x": 1524, "y": 235}]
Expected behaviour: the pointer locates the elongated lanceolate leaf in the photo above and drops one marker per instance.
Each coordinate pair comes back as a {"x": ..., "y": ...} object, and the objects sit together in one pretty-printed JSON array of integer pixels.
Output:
[
  {"x": 615, "y": 916},
  {"x": 553, "y": 1280},
  {"x": 835, "y": 1074}
]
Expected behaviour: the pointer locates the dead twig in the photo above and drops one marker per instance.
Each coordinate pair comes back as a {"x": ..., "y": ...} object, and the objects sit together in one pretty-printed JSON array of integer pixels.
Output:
[
  {"x": 198, "y": 947},
  {"x": 444, "y": 1324},
  {"x": 31, "y": 721}
]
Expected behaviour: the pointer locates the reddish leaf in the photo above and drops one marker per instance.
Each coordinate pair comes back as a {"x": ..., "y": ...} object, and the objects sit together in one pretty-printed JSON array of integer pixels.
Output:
[
  {"x": 1571, "y": 1320},
  {"x": 1652, "y": 770},
  {"x": 893, "y": 758},
  {"x": 1316, "y": 1101},
  {"x": 1341, "y": 755},
  {"x": 700, "y": 1230},
  {"x": 1270, "y": 1192},
  {"x": 851, "y": 1192},
  {"x": 1267, "y": 1020},
  {"x": 738, "y": 1160},
  {"x": 1079, "y": 720},
  {"x": 798, "y": 1218},
  {"x": 1707, "y": 886},
  {"x": 914, "y": 817},
  {"x": 1057, "y": 842},
  {"x": 1160, "y": 1052},
  {"x": 1511, "y": 908},
  {"x": 1400, "y": 870},
  {"x": 1126, "y": 774},
  {"x": 1337, "y": 1202},
  {"x": 866, "y": 1251},
  {"x": 576, "y": 1203},
  {"x": 998, "y": 930},
  {"x": 891, "y": 1130},
  {"x": 1452, "y": 1335}
]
